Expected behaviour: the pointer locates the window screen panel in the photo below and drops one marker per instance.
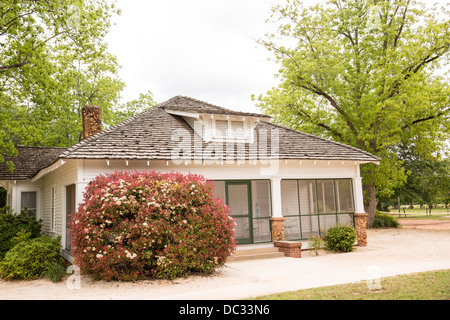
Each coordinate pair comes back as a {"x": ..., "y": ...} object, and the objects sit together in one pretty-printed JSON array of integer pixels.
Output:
[
  {"x": 238, "y": 199},
  {"x": 310, "y": 226},
  {"x": 327, "y": 222},
  {"x": 261, "y": 230},
  {"x": 292, "y": 228},
  {"x": 325, "y": 196},
  {"x": 242, "y": 228},
  {"x": 219, "y": 189},
  {"x": 307, "y": 194},
  {"x": 261, "y": 198},
  {"x": 344, "y": 195},
  {"x": 289, "y": 197},
  {"x": 345, "y": 219}
]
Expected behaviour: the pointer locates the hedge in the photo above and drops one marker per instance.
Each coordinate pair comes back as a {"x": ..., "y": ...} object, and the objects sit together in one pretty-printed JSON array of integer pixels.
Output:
[{"x": 139, "y": 225}]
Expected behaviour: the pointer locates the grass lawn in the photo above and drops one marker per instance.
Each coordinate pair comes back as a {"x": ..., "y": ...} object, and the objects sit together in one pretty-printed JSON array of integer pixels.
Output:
[
  {"x": 418, "y": 211},
  {"x": 433, "y": 285},
  {"x": 422, "y": 216}
]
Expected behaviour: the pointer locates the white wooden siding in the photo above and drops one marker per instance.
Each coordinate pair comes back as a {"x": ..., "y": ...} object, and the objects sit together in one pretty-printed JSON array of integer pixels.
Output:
[{"x": 59, "y": 178}]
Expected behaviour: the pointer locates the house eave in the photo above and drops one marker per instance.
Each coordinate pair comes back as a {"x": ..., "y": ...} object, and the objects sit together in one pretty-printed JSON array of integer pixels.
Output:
[{"x": 59, "y": 163}]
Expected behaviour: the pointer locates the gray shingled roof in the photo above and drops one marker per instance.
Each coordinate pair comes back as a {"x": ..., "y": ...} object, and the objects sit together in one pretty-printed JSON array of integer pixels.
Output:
[
  {"x": 180, "y": 103},
  {"x": 29, "y": 161},
  {"x": 147, "y": 136}
]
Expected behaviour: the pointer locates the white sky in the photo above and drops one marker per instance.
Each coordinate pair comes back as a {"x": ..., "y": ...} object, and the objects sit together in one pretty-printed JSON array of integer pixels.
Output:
[{"x": 204, "y": 49}]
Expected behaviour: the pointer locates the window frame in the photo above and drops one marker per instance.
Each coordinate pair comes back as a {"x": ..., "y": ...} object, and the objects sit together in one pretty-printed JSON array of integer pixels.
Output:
[
  {"x": 230, "y": 133},
  {"x": 53, "y": 209},
  {"x": 16, "y": 201},
  {"x": 317, "y": 213},
  {"x": 35, "y": 209}
]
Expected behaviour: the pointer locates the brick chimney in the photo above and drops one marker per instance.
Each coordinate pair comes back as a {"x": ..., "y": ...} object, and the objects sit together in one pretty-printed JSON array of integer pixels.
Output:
[{"x": 92, "y": 120}]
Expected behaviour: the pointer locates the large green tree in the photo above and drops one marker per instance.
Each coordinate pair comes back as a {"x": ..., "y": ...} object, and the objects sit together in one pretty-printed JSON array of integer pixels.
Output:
[
  {"x": 428, "y": 179},
  {"x": 363, "y": 73},
  {"x": 53, "y": 61}
]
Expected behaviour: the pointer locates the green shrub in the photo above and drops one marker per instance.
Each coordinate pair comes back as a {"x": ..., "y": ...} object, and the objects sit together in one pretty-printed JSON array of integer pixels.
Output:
[
  {"x": 384, "y": 220},
  {"x": 31, "y": 258},
  {"x": 340, "y": 238},
  {"x": 138, "y": 225},
  {"x": 15, "y": 227},
  {"x": 316, "y": 244},
  {"x": 55, "y": 271}
]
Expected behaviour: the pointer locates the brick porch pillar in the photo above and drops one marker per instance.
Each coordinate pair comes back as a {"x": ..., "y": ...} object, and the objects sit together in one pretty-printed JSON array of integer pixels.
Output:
[
  {"x": 361, "y": 228},
  {"x": 277, "y": 224}
]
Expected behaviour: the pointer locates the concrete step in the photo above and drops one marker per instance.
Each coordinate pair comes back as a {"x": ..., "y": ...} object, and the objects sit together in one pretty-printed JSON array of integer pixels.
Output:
[{"x": 252, "y": 253}]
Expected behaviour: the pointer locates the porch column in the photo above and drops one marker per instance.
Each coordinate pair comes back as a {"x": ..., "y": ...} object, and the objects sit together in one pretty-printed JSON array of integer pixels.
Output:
[
  {"x": 358, "y": 191},
  {"x": 361, "y": 228},
  {"x": 277, "y": 219}
]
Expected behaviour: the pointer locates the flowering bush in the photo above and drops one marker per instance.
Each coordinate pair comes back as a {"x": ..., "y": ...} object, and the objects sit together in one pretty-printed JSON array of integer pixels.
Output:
[{"x": 136, "y": 225}]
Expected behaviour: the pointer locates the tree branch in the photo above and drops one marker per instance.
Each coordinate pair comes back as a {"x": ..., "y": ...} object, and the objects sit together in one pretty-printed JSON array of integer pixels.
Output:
[
  {"x": 437, "y": 115},
  {"x": 17, "y": 65},
  {"x": 401, "y": 25},
  {"x": 315, "y": 89},
  {"x": 301, "y": 113},
  {"x": 26, "y": 60}
]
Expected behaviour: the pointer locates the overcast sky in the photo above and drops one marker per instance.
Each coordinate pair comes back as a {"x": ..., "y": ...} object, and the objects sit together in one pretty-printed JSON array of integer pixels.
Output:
[{"x": 204, "y": 49}]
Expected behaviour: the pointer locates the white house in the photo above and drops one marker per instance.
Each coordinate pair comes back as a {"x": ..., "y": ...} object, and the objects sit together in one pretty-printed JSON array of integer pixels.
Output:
[{"x": 278, "y": 182}]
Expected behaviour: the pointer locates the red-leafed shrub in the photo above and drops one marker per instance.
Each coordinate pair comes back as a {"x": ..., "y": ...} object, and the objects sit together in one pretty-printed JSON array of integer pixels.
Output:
[{"x": 139, "y": 225}]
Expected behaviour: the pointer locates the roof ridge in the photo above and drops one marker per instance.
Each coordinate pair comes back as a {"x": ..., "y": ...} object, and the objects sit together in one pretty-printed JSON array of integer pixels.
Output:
[
  {"x": 324, "y": 139},
  {"x": 201, "y": 101},
  {"x": 223, "y": 109}
]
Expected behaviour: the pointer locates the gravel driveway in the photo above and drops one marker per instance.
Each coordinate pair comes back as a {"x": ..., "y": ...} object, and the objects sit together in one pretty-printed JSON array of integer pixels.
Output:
[{"x": 389, "y": 252}]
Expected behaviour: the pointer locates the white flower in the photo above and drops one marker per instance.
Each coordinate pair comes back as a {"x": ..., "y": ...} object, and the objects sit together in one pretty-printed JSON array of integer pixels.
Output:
[
  {"x": 130, "y": 255},
  {"x": 99, "y": 255}
]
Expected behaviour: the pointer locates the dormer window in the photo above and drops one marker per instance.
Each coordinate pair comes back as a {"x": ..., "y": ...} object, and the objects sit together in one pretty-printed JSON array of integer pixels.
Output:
[
  {"x": 222, "y": 127},
  {"x": 229, "y": 130},
  {"x": 237, "y": 129}
]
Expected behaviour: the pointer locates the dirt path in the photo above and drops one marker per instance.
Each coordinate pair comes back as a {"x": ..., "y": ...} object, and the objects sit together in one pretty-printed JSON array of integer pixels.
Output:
[
  {"x": 425, "y": 224},
  {"x": 390, "y": 251}
]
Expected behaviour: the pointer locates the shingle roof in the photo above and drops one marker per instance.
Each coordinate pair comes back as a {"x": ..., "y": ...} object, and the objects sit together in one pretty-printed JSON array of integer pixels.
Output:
[
  {"x": 186, "y": 104},
  {"x": 29, "y": 161},
  {"x": 148, "y": 136}
]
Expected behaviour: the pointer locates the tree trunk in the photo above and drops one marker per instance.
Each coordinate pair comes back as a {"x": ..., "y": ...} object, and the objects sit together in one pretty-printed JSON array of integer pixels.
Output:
[{"x": 370, "y": 203}]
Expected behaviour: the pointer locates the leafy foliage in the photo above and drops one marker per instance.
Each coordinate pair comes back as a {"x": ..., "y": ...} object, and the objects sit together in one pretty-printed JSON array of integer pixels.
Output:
[
  {"x": 135, "y": 225},
  {"x": 385, "y": 220},
  {"x": 365, "y": 74},
  {"x": 428, "y": 179},
  {"x": 31, "y": 258},
  {"x": 53, "y": 61},
  {"x": 15, "y": 228},
  {"x": 340, "y": 238}
]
